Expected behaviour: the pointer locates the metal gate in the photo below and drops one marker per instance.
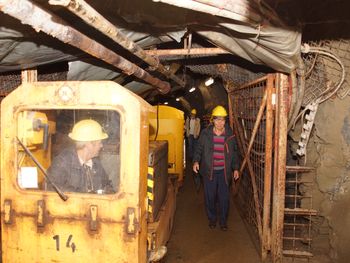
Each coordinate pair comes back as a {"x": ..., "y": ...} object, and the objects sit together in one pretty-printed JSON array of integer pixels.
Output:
[{"x": 259, "y": 112}]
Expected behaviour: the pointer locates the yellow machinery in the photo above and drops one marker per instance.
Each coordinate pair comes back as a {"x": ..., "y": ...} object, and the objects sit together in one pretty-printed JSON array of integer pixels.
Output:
[
  {"x": 170, "y": 126},
  {"x": 42, "y": 223},
  {"x": 34, "y": 129}
]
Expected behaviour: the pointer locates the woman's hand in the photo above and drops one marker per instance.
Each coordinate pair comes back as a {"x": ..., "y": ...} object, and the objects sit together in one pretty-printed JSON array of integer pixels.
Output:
[
  {"x": 235, "y": 175},
  {"x": 195, "y": 167}
]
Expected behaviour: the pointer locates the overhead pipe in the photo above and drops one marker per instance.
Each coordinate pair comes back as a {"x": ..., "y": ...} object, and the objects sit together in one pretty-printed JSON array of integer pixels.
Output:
[
  {"x": 186, "y": 52},
  {"x": 96, "y": 20},
  {"x": 41, "y": 20}
]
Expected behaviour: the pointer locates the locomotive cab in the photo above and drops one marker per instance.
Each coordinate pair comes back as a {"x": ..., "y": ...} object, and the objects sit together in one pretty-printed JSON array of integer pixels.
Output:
[{"x": 43, "y": 221}]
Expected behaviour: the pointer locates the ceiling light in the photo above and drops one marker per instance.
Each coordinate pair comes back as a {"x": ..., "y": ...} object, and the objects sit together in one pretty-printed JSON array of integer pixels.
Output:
[
  {"x": 177, "y": 99},
  {"x": 192, "y": 89},
  {"x": 209, "y": 81},
  {"x": 166, "y": 103}
]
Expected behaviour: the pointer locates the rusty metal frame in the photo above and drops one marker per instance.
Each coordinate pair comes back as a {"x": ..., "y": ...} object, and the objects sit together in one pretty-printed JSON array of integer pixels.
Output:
[
  {"x": 269, "y": 132},
  {"x": 262, "y": 218},
  {"x": 298, "y": 215},
  {"x": 255, "y": 130},
  {"x": 186, "y": 52},
  {"x": 250, "y": 167},
  {"x": 279, "y": 179}
]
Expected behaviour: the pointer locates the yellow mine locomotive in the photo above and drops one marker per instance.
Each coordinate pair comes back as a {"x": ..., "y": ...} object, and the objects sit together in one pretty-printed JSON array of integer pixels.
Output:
[{"x": 43, "y": 220}]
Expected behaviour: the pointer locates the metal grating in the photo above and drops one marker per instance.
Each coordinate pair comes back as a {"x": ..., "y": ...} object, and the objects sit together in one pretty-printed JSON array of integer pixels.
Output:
[
  {"x": 247, "y": 102},
  {"x": 274, "y": 203},
  {"x": 8, "y": 82},
  {"x": 324, "y": 72},
  {"x": 247, "y": 110},
  {"x": 298, "y": 218},
  {"x": 228, "y": 72},
  {"x": 11, "y": 80}
]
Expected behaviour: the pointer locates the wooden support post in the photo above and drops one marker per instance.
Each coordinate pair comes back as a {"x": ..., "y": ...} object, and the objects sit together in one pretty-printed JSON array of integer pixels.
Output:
[
  {"x": 279, "y": 167},
  {"x": 266, "y": 242},
  {"x": 29, "y": 75}
]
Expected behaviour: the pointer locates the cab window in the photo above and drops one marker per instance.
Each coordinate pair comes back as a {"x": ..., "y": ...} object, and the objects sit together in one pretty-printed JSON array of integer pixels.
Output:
[{"x": 72, "y": 150}]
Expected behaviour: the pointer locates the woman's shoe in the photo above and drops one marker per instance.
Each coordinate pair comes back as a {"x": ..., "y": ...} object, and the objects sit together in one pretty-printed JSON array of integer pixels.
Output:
[
  {"x": 212, "y": 225},
  {"x": 223, "y": 227}
]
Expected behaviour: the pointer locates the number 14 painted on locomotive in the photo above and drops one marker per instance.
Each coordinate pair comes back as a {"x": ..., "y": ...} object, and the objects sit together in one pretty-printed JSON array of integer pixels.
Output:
[{"x": 69, "y": 242}]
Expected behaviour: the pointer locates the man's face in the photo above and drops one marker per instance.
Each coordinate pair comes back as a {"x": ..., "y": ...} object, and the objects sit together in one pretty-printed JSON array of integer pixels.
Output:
[
  {"x": 219, "y": 123},
  {"x": 94, "y": 148}
]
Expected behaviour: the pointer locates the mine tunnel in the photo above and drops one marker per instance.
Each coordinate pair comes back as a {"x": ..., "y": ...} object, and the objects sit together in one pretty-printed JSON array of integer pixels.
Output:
[{"x": 279, "y": 68}]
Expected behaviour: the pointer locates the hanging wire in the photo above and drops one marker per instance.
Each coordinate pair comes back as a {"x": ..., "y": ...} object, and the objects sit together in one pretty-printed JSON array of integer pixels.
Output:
[
  {"x": 330, "y": 91},
  {"x": 326, "y": 52}
]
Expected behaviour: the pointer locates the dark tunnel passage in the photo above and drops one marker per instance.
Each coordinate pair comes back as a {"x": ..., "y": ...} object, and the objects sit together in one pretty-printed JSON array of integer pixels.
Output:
[{"x": 193, "y": 241}]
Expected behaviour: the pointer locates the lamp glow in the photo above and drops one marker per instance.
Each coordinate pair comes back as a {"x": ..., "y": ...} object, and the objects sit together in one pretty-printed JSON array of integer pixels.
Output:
[{"x": 209, "y": 81}]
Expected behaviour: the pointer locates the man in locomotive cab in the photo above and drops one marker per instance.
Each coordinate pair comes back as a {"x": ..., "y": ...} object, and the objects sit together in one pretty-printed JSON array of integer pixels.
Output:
[{"x": 78, "y": 168}]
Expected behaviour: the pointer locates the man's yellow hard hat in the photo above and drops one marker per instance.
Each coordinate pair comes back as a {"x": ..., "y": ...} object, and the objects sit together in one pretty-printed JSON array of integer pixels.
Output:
[
  {"x": 194, "y": 111},
  {"x": 219, "y": 111},
  {"x": 87, "y": 130}
]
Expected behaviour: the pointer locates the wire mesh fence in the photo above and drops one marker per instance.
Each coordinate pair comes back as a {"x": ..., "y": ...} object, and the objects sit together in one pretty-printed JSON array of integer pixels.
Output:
[
  {"x": 298, "y": 218},
  {"x": 324, "y": 72},
  {"x": 297, "y": 209},
  {"x": 246, "y": 103},
  {"x": 227, "y": 72},
  {"x": 11, "y": 80}
]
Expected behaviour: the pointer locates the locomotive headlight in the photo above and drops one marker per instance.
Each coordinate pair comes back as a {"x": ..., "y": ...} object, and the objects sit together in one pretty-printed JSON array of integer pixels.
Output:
[{"x": 65, "y": 94}]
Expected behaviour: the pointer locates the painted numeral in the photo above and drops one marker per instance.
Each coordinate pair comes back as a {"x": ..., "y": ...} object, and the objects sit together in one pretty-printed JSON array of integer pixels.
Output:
[
  {"x": 69, "y": 242},
  {"x": 57, "y": 238}
]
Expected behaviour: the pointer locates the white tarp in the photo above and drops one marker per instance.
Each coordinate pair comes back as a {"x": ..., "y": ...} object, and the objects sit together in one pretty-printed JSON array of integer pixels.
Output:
[
  {"x": 22, "y": 47},
  {"x": 277, "y": 48}
]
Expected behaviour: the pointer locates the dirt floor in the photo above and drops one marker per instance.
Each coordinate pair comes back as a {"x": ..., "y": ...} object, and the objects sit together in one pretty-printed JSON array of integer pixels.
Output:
[{"x": 193, "y": 241}]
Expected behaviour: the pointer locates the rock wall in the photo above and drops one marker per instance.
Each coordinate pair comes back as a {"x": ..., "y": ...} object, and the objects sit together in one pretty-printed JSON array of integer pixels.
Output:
[{"x": 329, "y": 152}]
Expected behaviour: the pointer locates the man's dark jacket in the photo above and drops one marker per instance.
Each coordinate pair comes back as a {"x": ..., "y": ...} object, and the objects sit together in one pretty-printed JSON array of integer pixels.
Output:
[
  {"x": 69, "y": 175},
  {"x": 204, "y": 153}
]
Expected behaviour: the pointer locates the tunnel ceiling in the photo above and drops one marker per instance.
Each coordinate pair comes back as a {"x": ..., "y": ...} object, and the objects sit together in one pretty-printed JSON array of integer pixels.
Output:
[{"x": 171, "y": 44}]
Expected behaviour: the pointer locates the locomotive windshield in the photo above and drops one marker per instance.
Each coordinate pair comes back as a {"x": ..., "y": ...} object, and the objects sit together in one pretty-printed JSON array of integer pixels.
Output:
[{"x": 77, "y": 149}]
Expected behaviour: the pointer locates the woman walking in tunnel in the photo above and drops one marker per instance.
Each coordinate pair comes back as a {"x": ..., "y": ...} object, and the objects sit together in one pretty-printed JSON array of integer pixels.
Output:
[{"x": 215, "y": 158}]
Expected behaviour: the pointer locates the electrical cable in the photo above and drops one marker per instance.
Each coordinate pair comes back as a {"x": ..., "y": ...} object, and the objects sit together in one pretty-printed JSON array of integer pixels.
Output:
[{"x": 319, "y": 50}]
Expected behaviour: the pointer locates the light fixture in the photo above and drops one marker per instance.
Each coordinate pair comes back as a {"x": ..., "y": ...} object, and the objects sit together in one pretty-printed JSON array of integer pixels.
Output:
[
  {"x": 209, "y": 81},
  {"x": 65, "y": 94},
  {"x": 192, "y": 89},
  {"x": 177, "y": 99},
  {"x": 166, "y": 103}
]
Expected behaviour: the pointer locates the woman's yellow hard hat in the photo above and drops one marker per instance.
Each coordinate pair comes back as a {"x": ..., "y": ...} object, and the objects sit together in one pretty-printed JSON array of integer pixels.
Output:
[{"x": 219, "y": 111}]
